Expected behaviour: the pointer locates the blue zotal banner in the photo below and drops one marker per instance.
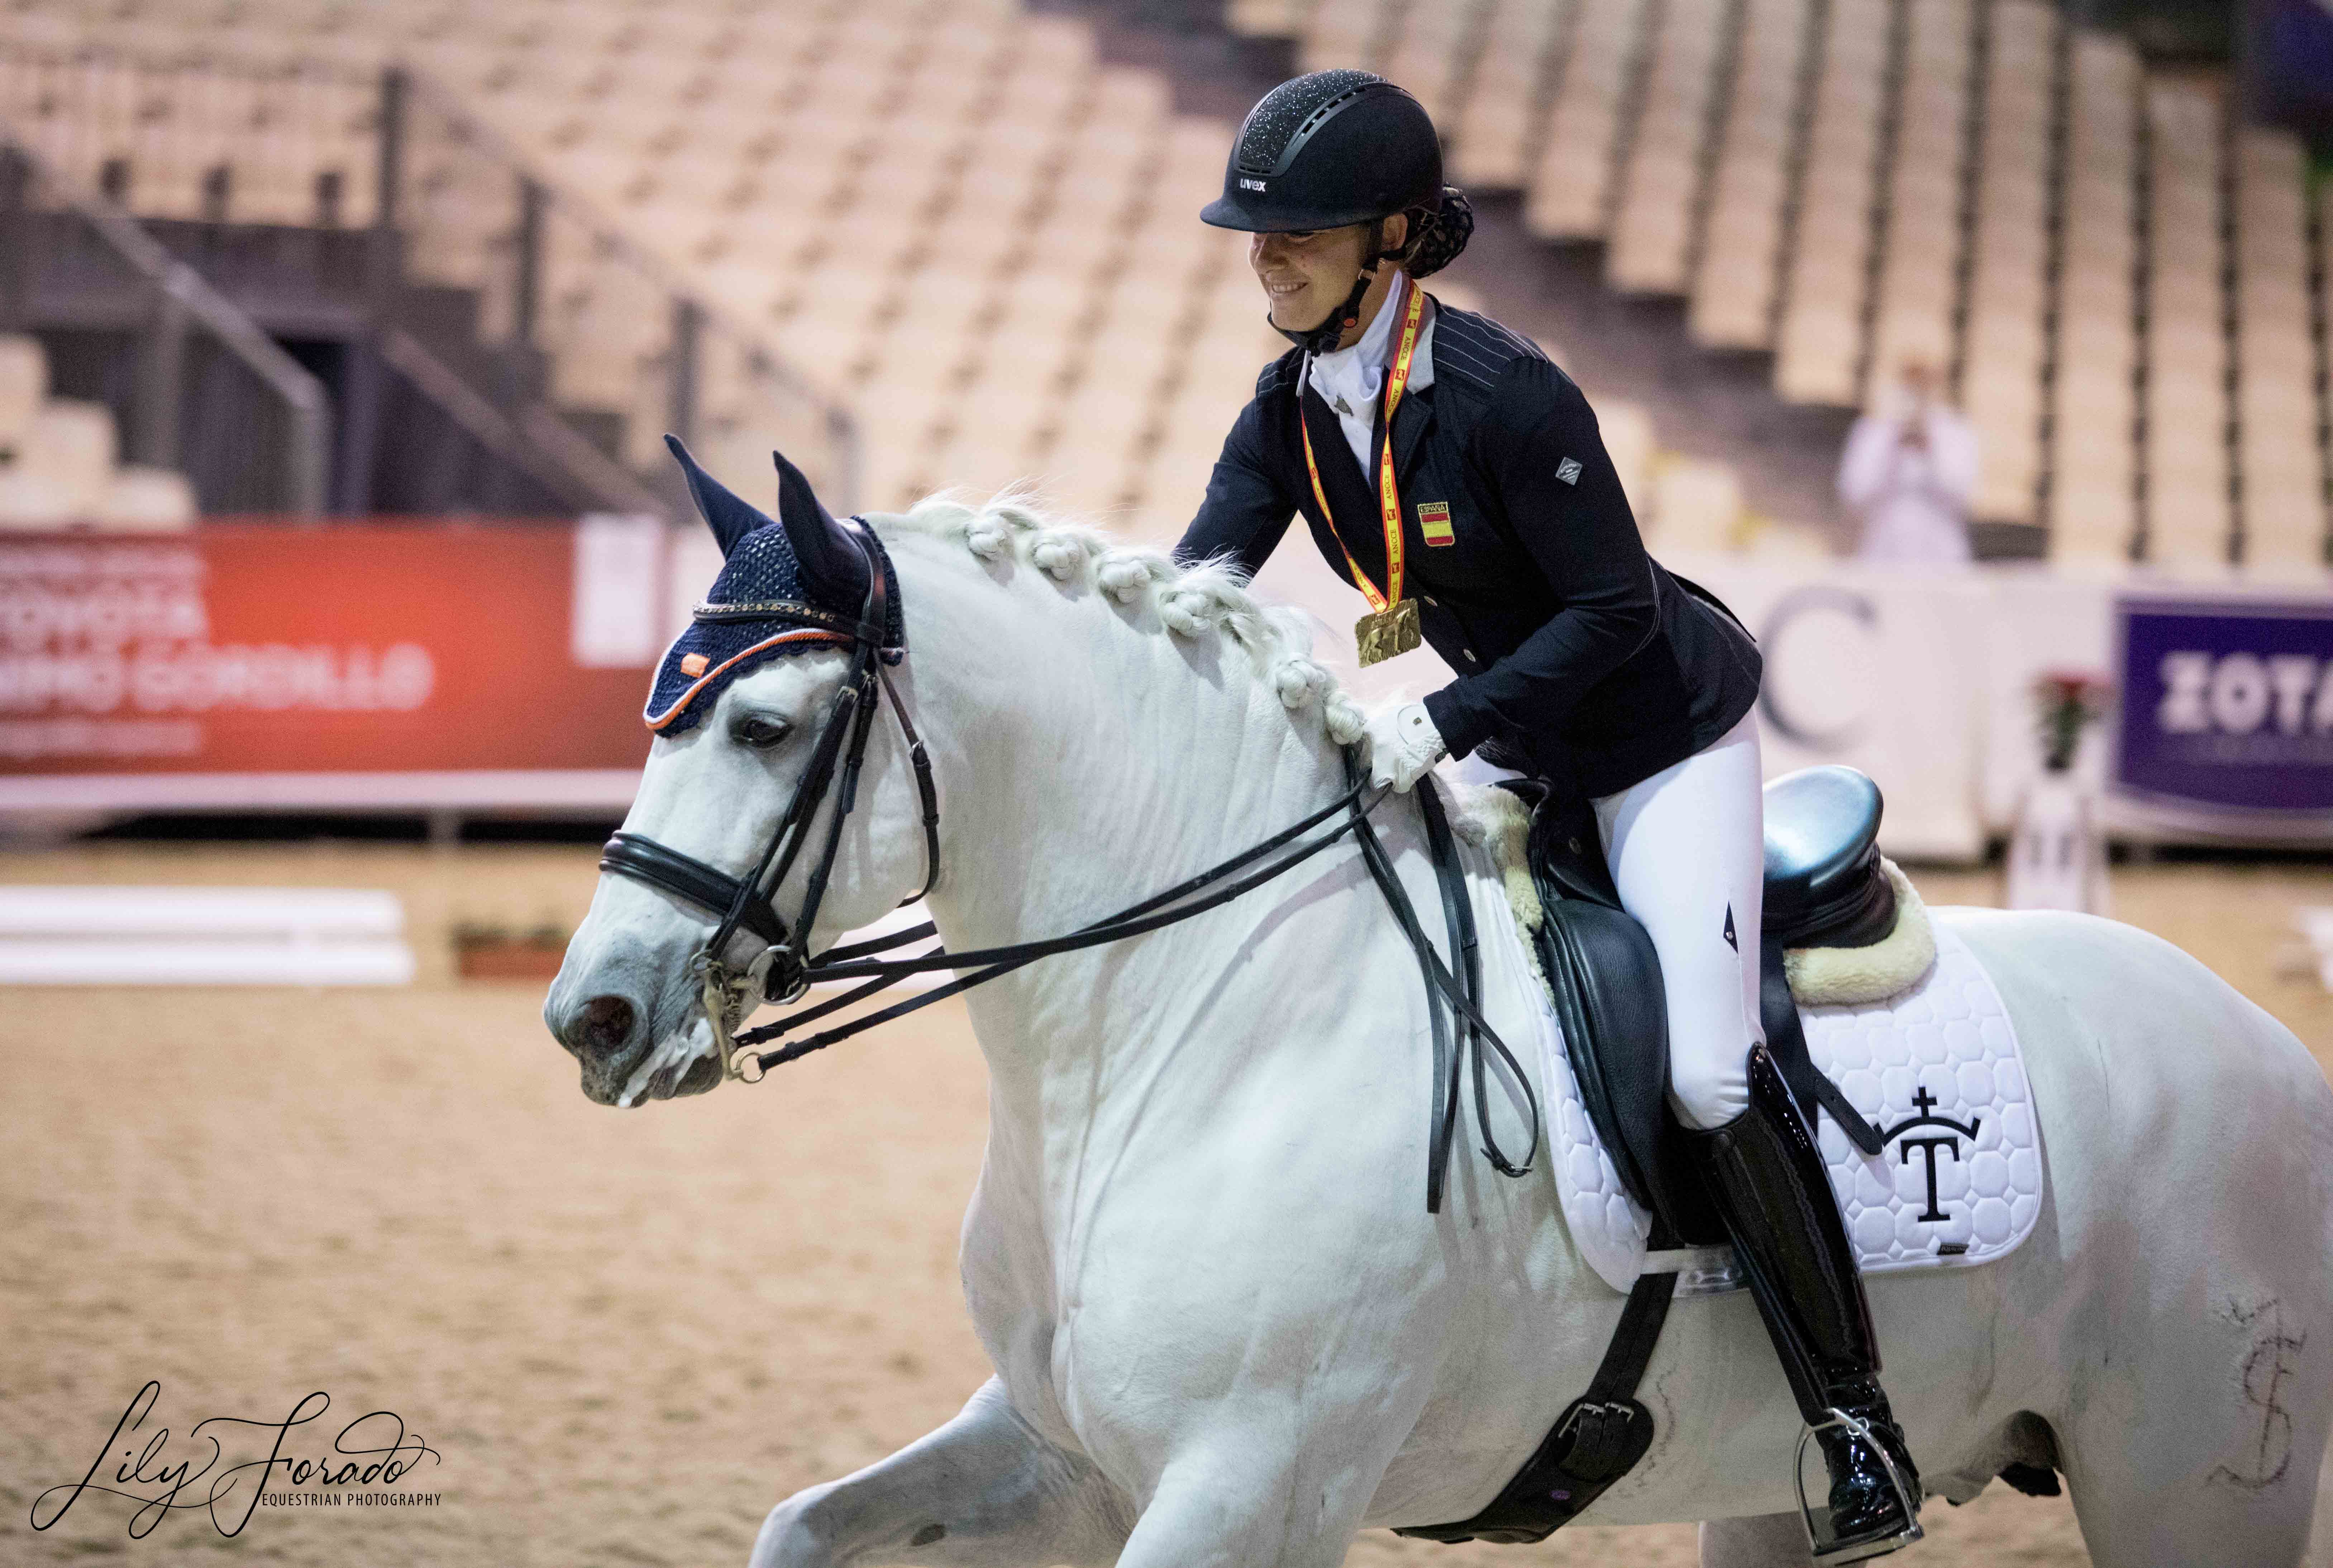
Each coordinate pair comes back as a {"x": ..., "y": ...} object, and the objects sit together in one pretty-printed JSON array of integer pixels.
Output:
[{"x": 2226, "y": 712}]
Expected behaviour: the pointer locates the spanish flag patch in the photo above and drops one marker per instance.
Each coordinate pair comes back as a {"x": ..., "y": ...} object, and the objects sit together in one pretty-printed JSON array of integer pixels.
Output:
[{"x": 1434, "y": 522}]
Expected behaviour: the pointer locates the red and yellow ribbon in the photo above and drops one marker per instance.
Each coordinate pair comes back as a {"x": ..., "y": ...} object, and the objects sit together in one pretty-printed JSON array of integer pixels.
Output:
[{"x": 1389, "y": 498}]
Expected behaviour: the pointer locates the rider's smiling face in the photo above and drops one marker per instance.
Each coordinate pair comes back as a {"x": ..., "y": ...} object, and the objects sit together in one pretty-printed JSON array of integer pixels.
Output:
[{"x": 1307, "y": 273}]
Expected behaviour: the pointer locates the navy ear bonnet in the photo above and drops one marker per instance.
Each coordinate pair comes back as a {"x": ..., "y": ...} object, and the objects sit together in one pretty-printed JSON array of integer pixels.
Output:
[{"x": 790, "y": 584}]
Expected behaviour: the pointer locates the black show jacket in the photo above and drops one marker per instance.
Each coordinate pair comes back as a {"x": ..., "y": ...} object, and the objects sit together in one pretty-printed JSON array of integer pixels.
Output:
[{"x": 1580, "y": 659}]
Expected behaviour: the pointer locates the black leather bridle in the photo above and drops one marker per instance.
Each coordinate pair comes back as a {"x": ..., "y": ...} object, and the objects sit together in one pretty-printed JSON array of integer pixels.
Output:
[{"x": 743, "y": 903}]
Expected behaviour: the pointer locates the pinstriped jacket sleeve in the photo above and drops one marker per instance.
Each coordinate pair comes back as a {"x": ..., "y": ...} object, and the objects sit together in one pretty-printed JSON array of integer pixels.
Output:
[
  {"x": 1583, "y": 538},
  {"x": 1245, "y": 511}
]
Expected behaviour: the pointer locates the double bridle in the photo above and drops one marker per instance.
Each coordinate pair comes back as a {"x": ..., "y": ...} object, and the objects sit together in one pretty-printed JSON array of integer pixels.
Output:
[{"x": 784, "y": 970}]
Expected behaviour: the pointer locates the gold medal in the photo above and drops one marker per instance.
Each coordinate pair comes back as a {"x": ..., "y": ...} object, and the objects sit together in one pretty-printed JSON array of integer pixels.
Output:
[
  {"x": 1391, "y": 625},
  {"x": 1382, "y": 633}
]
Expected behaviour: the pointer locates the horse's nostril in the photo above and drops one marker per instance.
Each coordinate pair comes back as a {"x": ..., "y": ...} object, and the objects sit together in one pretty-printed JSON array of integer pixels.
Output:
[{"x": 602, "y": 1027}]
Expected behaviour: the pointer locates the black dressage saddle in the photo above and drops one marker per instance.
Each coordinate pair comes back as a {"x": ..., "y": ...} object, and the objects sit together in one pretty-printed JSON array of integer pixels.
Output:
[{"x": 1824, "y": 887}]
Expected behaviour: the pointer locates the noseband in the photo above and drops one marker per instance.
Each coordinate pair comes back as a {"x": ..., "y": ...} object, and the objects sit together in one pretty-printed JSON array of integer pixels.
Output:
[{"x": 743, "y": 903}]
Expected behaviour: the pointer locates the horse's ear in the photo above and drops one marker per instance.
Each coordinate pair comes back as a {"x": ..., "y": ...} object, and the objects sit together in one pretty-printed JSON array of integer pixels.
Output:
[
  {"x": 730, "y": 516},
  {"x": 827, "y": 554}
]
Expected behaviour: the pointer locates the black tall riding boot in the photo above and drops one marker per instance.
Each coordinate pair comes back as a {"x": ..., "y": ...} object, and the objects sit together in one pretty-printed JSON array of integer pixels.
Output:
[{"x": 1767, "y": 1177}]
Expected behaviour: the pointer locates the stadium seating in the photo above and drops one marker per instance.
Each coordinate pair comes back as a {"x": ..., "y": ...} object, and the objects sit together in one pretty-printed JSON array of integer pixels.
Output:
[
  {"x": 1739, "y": 266},
  {"x": 2186, "y": 352},
  {"x": 1571, "y": 177},
  {"x": 2003, "y": 351},
  {"x": 1965, "y": 182},
  {"x": 979, "y": 236},
  {"x": 1819, "y": 348},
  {"x": 1920, "y": 240},
  {"x": 2094, "y": 405},
  {"x": 1660, "y": 176},
  {"x": 1495, "y": 129},
  {"x": 2276, "y": 411},
  {"x": 970, "y": 229}
]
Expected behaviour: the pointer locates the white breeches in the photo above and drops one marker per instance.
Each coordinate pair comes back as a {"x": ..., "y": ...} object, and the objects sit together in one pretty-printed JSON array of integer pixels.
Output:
[{"x": 1687, "y": 851}]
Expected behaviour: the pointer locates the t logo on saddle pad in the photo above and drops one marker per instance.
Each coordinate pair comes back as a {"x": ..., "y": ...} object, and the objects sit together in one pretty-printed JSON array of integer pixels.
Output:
[
  {"x": 1434, "y": 522},
  {"x": 1955, "y": 1131}
]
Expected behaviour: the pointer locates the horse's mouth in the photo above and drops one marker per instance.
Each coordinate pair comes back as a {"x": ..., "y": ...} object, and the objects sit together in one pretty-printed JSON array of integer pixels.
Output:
[
  {"x": 695, "y": 1076},
  {"x": 661, "y": 1074}
]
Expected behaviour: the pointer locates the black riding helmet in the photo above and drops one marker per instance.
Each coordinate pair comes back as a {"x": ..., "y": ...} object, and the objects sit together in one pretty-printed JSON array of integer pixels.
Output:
[{"x": 1338, "y": 147}]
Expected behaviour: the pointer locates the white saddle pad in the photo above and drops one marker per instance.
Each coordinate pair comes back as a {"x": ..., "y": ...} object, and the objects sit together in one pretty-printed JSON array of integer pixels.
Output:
[{"x": 1936, "y": 1069}]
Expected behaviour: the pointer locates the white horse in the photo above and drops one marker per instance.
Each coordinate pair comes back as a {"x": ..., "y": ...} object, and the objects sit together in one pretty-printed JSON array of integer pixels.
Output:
[{"x": 1225, "y": 1330}]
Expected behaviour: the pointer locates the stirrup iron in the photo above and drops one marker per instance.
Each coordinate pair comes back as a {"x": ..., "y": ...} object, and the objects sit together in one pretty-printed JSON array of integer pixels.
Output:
[{"x": 1821, "y": 1544}]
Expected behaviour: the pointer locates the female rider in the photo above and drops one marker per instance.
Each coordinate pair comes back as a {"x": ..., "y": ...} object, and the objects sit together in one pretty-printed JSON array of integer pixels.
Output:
[{"x": 1454, "y": 477}]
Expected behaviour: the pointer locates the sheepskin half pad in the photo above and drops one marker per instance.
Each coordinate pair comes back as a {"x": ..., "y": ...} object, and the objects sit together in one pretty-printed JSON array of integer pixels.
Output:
[{"x": 1935, "y": 1065}]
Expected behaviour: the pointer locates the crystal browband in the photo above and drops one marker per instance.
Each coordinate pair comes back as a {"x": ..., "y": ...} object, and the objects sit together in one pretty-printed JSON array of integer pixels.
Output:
[{"x": 768, "y": 608}]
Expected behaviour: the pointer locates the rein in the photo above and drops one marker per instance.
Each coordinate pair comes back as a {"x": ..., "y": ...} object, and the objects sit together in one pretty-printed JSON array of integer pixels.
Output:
[{"x": 784, "y": 972}]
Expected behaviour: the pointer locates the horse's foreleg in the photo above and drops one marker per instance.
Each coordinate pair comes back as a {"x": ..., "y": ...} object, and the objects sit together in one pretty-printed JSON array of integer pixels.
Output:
[
  {"x": 1230, "y": 1506},
  {"x": 984, "y": 1491}
]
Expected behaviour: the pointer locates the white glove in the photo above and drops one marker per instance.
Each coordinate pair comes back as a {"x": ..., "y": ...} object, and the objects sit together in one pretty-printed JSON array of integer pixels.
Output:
[{"x": 1403, "y": 743}]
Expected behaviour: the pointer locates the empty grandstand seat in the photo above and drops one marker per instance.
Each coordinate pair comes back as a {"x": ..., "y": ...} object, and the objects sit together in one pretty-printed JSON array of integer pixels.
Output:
[
  {"x": 1627, "y": 430},
  {"x": 1742, "y": 246},
  {"x": 148, "y": 499},
  {"x": 1570, "y": 188},
  {"x": 1660, "y": 184},
  {"x": 62, "y": 467},
  {"x": 72, "y": 444},
  {"x": 24, "y": 387},
  {"x": 1695, "y": 505},
  {"x": 1494, "y": 130}
]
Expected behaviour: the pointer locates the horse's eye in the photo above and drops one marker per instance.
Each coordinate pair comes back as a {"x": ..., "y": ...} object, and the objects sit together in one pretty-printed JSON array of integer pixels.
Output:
[{"x": 761, "y": 733}]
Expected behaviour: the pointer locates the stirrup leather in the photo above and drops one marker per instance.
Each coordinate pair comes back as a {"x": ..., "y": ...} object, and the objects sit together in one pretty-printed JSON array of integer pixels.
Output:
[{"x": 1826, "y": 1547}]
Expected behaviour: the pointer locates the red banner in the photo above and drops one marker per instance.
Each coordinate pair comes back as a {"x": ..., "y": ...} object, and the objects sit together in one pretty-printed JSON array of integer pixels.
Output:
[{"x": 391, "y": 665}]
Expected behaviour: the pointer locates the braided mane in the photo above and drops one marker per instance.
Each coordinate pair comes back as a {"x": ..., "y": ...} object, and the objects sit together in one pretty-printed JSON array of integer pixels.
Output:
[{"x": 1211, "y": 599}]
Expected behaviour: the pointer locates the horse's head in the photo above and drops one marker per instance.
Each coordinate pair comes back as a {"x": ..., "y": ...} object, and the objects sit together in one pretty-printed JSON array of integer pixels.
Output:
[{"x": 723, "y": 872}]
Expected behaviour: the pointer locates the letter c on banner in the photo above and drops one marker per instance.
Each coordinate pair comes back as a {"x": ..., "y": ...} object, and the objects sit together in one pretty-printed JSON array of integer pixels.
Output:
[{"x": 1800, "y": 716}]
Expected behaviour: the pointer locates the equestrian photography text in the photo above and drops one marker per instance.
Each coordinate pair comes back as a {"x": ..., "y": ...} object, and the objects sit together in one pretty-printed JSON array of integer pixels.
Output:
[{"x": 144, "y": 1465}]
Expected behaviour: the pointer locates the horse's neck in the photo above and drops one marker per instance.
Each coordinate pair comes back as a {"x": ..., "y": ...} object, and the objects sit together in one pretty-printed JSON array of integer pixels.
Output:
[
  {"x": 1094, "y": 763},
  {"x": 1088, "y": 768}
]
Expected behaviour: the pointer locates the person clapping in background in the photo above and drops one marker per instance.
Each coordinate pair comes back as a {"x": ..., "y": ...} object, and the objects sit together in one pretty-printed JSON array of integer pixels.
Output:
[{"x": 1909, "y": 470}]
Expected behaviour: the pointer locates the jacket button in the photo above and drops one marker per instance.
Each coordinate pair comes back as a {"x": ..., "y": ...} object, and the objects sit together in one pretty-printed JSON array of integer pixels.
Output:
[
  {"x": 1429, "y": 599},
  {"x": 1469, "y": 655}
]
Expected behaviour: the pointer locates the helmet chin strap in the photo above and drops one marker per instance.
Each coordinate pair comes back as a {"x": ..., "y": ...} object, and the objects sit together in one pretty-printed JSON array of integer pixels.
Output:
[{"x": 1323, "y": 338}]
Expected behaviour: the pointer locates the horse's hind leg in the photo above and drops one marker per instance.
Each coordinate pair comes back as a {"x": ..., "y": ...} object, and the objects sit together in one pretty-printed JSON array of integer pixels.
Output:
[
  {"x": 2129, "y": 1524},
  {"x": 2320, "y": 1533},
  {"x": 2201, "y": 1475},
  {"x": 984, "y": 1491}
]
